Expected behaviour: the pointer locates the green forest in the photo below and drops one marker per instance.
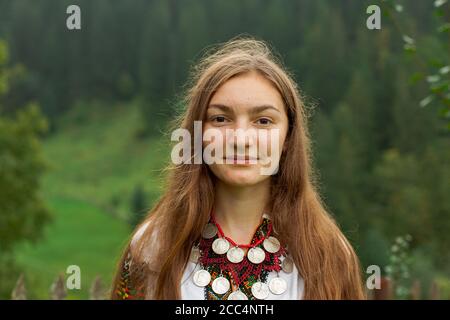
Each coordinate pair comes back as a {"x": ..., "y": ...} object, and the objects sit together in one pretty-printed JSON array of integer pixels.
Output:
[{"x": 84, "y": 114}]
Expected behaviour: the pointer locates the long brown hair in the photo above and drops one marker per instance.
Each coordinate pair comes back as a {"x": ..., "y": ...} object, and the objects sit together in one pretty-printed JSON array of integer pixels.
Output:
[{"x": 322, "y": 254}]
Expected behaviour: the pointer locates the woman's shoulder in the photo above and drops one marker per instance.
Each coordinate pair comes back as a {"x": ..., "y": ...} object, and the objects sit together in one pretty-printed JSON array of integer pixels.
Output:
[
  {"x": 138, "y": 233},
  {"x": 144, "y": 244}
]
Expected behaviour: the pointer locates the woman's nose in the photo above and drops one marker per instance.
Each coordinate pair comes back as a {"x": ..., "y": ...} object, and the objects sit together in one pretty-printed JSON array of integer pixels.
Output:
[{"x": 242, "y": 135}]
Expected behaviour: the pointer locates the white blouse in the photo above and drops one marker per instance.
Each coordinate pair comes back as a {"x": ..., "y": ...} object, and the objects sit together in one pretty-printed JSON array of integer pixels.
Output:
[
  {"x": 190, "y": 291},
  {"x": 295, "y": 284}
]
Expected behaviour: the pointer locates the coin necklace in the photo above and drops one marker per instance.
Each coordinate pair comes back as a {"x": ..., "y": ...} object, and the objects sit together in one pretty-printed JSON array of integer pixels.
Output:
[{"x": 234, "y": 253}]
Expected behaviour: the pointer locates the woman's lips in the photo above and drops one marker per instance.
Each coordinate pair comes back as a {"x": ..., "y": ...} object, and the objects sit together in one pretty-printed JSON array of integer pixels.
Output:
[{"x": 241, "y": 160}]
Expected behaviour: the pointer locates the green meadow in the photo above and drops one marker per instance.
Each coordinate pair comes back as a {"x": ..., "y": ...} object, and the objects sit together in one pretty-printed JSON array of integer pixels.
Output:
[{"x": 95, "y": 161}]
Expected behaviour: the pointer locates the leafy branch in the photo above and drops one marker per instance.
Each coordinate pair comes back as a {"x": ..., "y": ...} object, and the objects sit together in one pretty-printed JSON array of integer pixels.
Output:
[{"x": 434, "y": 73}]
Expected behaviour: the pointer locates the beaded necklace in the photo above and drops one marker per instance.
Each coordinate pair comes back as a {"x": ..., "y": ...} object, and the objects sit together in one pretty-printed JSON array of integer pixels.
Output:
[{"x": 227, "y": 272}]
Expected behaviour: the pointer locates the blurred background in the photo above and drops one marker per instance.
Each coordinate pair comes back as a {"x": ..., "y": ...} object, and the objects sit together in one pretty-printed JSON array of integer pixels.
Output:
[{"x": 83, "y": 114}]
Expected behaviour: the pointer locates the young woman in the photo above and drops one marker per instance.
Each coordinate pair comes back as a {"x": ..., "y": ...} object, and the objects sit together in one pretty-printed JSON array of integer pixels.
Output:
[{"x": 226, "y": 230}]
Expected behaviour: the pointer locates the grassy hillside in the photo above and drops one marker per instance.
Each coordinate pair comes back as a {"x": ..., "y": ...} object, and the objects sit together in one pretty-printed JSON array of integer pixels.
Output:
[
  {"x": 96, "y": 157},
  {"x": 96, "y": 161},
  {"x": 82, "y": 235}
]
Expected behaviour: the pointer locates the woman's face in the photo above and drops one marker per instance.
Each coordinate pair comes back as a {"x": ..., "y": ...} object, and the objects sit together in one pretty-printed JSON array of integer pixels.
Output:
[{"x": 249, "y": 114}]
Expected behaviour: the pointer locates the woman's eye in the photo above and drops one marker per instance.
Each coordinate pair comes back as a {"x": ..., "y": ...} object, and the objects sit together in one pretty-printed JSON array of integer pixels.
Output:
[
  {"x": 264, "y": 121},
  {"x": 219, "y": 119}
]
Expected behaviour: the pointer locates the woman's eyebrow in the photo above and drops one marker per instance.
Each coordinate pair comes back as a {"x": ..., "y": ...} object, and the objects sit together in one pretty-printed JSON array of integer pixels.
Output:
[
  {"x": 253, "y": 110},
  {"x": 262, "y": 108},
  {"x": 222, "y": 107}
]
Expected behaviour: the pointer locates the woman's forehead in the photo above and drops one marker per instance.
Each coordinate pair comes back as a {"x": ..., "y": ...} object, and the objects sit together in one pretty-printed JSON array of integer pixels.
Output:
[{"x": 248, "y": 92}]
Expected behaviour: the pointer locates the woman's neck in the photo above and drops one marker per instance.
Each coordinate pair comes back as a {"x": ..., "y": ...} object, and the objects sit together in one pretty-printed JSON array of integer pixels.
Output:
[{"x": 239, "y": 210}]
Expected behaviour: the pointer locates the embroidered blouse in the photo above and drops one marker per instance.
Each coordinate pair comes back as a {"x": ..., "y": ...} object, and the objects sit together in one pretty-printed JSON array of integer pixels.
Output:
[{"x": 245, "y": 273}]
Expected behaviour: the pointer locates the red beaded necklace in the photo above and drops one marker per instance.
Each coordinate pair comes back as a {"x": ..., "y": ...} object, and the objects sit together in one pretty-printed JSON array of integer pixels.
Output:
[
  {"x": 243, "y": 274},
  {"x": 222, "y": 234}
]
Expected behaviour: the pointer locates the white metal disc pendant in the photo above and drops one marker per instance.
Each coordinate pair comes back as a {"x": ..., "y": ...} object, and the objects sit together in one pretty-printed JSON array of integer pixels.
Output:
[
  {"x": 209, "y": 231},
  {"x": 271, "y": 244},
  {"x": 195, "y": 255},
  {"x": 287, "y": 265},
  {"x": 260, "y": 290},
  {"x": 220, "y": 285},
  {"x": 220, "y": 245},
  {"x": 256, "y": 255},
  {"x": 277, "y": 285},
  {"x": 235, "y": 255},
  {"x": 237, "y": 295},
  {"x": 202, "y": 278}
]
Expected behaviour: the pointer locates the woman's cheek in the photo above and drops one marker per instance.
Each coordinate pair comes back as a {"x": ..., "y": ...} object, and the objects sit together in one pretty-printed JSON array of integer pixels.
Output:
[{"x": 268, "y": 142}]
